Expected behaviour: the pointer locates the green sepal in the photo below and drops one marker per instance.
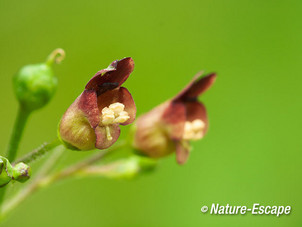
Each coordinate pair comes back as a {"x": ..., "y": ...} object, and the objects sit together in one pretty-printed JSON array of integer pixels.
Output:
[{"x": 6, "y": 171}]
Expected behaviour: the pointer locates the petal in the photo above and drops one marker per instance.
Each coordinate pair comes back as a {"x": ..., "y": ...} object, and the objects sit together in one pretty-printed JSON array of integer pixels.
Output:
[
  {"x": 88, "y": 104},
  {"x": 121, "y": 95},
  {"x": 102, "y": 141},
  {"x": 187, "y": 88},
  {"x": 182, "y": 152},
  {"x": 175, "y": 116},
  {"x": 196, "y": 110},
  {"x": 113, "y": 76},
  {"x": 126, "y": 98},
  {"x": 151, "y": 137},
  {"x": 197, "y": 86}
]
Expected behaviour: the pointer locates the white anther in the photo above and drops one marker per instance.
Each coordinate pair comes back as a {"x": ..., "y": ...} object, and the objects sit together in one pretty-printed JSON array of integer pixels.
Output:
[
  {"x": 117, "y": 108},
  {"x": 123, "y": 113},
  {"x": 198, "y": 125},
  {"x": 114, "y": 114},
  {"x": 108, "y": 119},
  {"x": 107, "y": 111},
  {"x": 188, "y": 126},
  {"x": 123, "y": 117},
  {"x": 107, "y": 116},
  {"x": 193, "y": 130}
]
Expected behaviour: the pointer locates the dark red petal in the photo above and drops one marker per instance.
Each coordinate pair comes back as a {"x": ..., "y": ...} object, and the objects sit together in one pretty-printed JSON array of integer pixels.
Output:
[
  {"x": 121, "y": 95},
  {"x": 114, "y": 76},
  {"x": 187, "y": 88},
  {"x": 175, "y": 116},
  {"x": 127, "y": 100},
  {"x": 182, "y": 152},
  {"x": 196, "y": 110},
  {"x": 197, "y": 86},
  {"x": 88, "y": 104},
  {"x": 102, "y": 141}
]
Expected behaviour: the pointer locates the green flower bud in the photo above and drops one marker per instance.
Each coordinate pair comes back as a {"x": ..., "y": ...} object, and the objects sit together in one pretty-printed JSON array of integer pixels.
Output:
[
  {"x": 21, "y": 172},
  {"x": 36, "y": 84},
  {"x": 6, "y": 171}
]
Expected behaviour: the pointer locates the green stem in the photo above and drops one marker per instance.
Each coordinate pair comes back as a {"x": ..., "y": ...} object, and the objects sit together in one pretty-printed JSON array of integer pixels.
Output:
[
  {"x": 34, "y": 185},
  {"x": 71, "y": 170},
  {"x": 38, "y": 152},
  {"x": 19, "y": 126},
  {"x": 42, "y": 181},
  {"x": 28, "y": 158},
  {"x": 18, "y": 129}
]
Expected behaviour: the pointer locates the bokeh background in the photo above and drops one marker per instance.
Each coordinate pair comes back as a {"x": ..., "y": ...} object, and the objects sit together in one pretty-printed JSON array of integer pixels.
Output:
[{"x": 252, "y": 153}]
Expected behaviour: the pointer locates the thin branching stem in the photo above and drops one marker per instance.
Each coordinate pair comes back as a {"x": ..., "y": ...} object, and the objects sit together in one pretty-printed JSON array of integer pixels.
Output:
[
  {"x": 71, "y": 170},
  {"x": 15, "y": 139},
  {"x": 34, "y": 185},
  {"x": 38, "y": 152},
  {"x": 42, "y": 180}
]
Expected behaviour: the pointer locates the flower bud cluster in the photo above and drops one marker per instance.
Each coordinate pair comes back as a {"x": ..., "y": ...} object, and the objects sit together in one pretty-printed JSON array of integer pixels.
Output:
[{"x": 19, "y": 172}]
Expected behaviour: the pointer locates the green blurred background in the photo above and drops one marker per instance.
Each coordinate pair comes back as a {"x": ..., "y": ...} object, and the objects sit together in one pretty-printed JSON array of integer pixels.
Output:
[{"x": 252, "y": 153}]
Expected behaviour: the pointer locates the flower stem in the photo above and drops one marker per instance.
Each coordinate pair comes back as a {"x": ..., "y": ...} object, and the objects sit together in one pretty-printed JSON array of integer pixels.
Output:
[
  {"x": 34, "y": 185},
  {"x": 28, "y": 158},
  {"x": 42, "y": 180},
  {"x": 71, "y": 170},
  {"x": 18, "y": 129},
  {"x": 19, "y": 126},
  {"x": 38, "y": 152}
]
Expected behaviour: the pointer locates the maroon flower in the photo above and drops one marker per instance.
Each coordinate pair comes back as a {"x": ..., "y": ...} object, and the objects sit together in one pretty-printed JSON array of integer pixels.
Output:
[
  {"x": 93, "y": 120},
  {"x": 170, "y": 126}
]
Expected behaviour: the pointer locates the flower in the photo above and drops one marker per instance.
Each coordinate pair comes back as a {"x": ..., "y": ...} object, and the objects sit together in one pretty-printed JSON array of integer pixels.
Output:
[
  {"x": 93, "y": 120},
  {"x": 170, "y": 126}
]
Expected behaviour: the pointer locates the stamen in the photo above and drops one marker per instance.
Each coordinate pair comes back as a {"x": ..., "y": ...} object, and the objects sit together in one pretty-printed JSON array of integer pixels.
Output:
[
  {"x": 198, "y": 125},
  {"x": 107, "y": 116},
  {"x": 114, "y": 114},
  {"x": 123, "y": 117},
  {"x": 193, "y": 130},
  {"x": 117, "y": 108}
]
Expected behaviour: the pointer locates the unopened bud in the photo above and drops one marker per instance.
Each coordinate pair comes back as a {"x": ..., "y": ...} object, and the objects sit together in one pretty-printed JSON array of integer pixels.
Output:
[
  {"x": 36, "y": 84},
  {"x": 21, "y": 172}
]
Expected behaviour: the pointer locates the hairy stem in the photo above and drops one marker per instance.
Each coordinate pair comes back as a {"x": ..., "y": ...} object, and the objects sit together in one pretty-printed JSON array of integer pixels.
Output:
[
  {"x": 71, "y": 170},
  {"x": 34, "y": 185},
  {"x": 38, "y": 152},
  {"x": 42, "y": 180}
]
